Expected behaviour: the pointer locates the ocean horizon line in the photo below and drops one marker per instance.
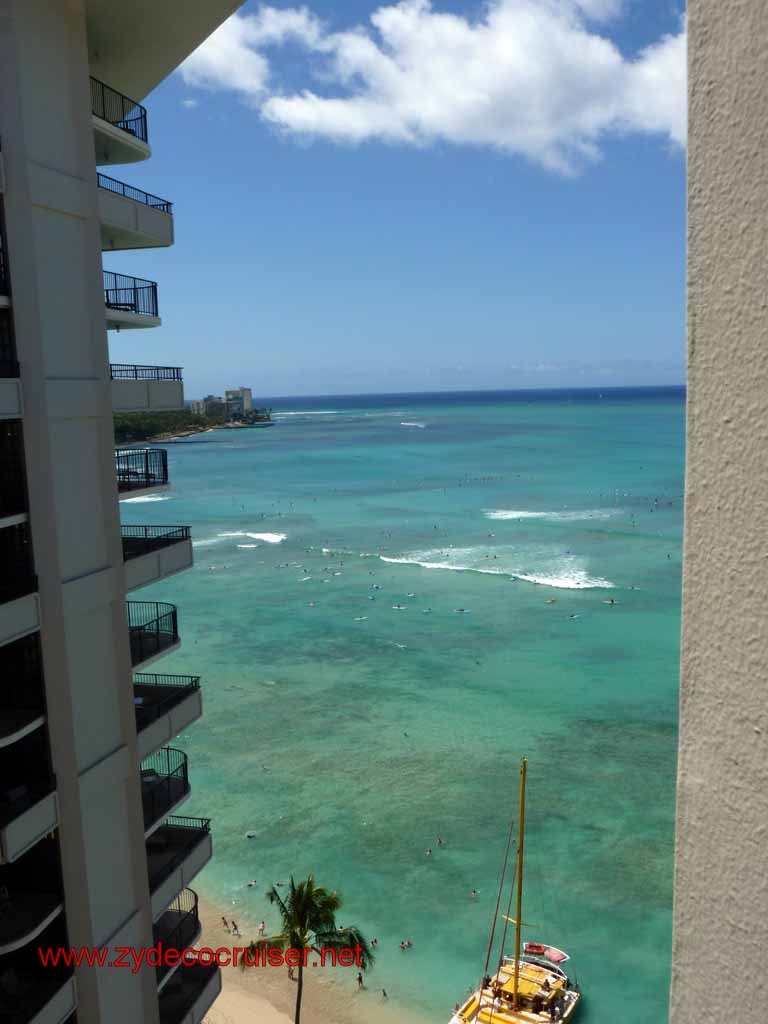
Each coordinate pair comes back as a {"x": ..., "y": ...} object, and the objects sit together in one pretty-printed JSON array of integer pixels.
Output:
[{"x": 629, "y": 390}]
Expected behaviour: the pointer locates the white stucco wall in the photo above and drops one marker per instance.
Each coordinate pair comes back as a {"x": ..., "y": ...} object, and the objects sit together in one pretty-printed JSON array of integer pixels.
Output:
[{"x": 721, "y": 875}]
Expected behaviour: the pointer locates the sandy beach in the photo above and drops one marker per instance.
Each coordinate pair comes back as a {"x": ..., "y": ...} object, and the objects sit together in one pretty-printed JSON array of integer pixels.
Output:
[{"x": 266, "y": 994}]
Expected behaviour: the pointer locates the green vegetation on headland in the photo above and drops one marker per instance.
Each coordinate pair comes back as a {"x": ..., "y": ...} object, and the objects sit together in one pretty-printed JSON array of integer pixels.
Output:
[
  {"x": 144, "y": 426},
  {"x": 157, "y": 426}
]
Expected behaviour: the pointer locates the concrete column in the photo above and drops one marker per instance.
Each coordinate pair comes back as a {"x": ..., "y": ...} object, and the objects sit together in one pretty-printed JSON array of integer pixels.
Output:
[{"x": 721, "y": 870}]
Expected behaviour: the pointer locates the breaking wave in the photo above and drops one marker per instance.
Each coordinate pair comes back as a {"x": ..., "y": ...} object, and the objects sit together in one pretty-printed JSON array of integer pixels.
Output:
[
  {"x": 564, "y": 572},
  {"x": 142, "y": 498},
  {"x": 267, "y": 538},
  {"x": 563, "y": 517}
]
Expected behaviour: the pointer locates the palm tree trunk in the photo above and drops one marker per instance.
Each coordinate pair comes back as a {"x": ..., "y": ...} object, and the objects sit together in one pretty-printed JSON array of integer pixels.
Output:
[{"x": 299, "y": 987}]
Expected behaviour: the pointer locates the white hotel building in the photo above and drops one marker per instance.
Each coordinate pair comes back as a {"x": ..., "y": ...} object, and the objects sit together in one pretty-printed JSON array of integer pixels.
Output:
[{"x": 93, "y": 851}]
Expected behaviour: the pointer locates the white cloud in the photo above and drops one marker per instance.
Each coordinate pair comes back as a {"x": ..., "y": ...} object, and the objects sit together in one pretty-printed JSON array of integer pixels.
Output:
[
  {"x": 228, "y": 59},
  {"x": 528, "y": 77},
  {"x": 190, "y": 104}
]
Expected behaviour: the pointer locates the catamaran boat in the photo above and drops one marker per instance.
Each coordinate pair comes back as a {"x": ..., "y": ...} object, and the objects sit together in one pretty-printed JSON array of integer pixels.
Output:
[{"x": 531, "y": 987}]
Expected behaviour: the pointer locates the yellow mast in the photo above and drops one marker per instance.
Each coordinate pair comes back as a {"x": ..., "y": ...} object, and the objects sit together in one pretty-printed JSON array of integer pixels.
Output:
[{"x": 519, "y": 898}]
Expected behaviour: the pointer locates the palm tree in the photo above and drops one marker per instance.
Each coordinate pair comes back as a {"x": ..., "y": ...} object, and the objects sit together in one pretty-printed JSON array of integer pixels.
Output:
[{"x": 308, "y": 918}]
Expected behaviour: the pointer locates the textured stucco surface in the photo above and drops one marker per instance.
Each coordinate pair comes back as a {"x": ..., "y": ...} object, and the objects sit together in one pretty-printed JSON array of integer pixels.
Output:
[{"x": 721, "y": 872}]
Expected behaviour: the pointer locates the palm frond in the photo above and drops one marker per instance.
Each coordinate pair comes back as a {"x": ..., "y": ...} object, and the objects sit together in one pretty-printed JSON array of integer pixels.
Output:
[{"x": 347, "y": 938}]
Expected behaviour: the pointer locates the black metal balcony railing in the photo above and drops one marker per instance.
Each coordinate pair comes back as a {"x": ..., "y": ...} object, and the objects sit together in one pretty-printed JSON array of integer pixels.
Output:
[
  {"x": 3, "y": 266},
  {"x": 153, "y": 628},
  {"x": 184, "y": 989},
  {"x": 13, "y": 477},
  {"x": 130, "y": 294},
  {"x": 140, "y": 468},
  {"x": 18, "y": 568},
  {"x": 178, "y": 927},
  {"x": 129, "y": 371},
  {"x": 164, "y": 782},
  {"x": 171, "y": 844},
  {"x": 31, "y": 892},
  {"x": 21, "y": 662},
  {"x": 9, "y": 366},
  {"x": 119, "y": 110},
  {"x": 3, "y": 278},
  {"x": 142, "y": 540},
  {"x": 155, "y": 694},
  {"x": 28, "y": 985},
  {"x": 25, "y": 776},
  {"x": 130, "y": 192}
]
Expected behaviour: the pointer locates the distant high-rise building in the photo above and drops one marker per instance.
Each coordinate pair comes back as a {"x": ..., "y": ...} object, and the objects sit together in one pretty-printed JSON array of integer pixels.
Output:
[
  {"x": 239, "y": 401},
  {"x": 197, "y": 407},
  {"x": 214, "y": 405}
]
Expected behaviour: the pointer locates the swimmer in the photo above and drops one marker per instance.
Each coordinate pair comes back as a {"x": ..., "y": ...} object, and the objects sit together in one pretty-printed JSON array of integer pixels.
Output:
[
  {"x": 473, "y": 894},
  {"x": 251, "y": 884},
  {"x": 410, "y": 595},
  {"x": 551, "y": 600},
  {"x": 440, "y": 841},
  {"x": 360, "y": 618},
  {"x": 428, "y": 853},
  {"x": 426, "y": 611}
]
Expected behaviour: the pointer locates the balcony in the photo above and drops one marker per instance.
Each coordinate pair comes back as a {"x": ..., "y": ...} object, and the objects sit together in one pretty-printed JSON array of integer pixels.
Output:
[
  {"x": 28, "y": 806},
  {"x": 189, "y": 994},
  {"x": 178, "y": 928},
  {"x": 146, "y": 388},
  {"x": 31, "y": 895},
  {"x": 119, "y": 126},
  {"x": 10, "y": 386},
  {"x": 13, "y": 478},
  {"x": 31, "y": 993},
  {"x": 10, "y": 392},
  {"x": 4, "y": 284},
  {"x": 22, "y": 700},
  {"x": 153, "y": 553},
  {"x": 131, "y": 218},
  {"x": 153, "y": 629},
  {"x": 164, "y": 705},
  {"x": 18, "y": 569},
  {"x": 176, "y": 852},
  {"x": 164, "y": 786},
  {"x": 130, "y": 302},
  {"x": 140, "y": 470}
]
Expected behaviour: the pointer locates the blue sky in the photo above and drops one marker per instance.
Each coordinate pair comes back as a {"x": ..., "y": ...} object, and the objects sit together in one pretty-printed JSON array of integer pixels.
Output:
[{"x": 421, "y": 204}]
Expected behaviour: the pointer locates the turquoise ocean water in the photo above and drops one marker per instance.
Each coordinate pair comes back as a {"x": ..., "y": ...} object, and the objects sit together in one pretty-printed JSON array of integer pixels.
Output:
[{"x": 350, "y": 726}]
